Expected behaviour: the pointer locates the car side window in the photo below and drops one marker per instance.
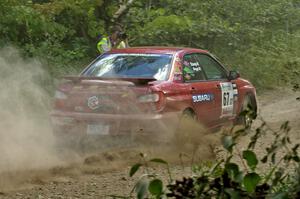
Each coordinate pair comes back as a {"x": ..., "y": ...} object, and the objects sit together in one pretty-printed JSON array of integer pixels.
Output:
[
  {"x": 211, "y": 67},
  {"x": 192, "y": 70}
]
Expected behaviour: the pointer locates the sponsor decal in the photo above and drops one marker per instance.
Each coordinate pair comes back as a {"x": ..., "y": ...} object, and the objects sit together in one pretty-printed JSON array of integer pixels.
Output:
[
  {"x": 197, "y": 69},
  {"x": 203, "y": 97},
  {"x": 235, "y": 90},
  {"x": 178, "y": 67},
  {"x": 229, "y": 97},
  {"x": 178, "y": 77},
  {"x": 93, "y": 102},
  {"x": 186, "y": 63},
  {"x": 177, "y": 59},
  {"x": 187, "y": 77},
  {"x": 196, "y": 64},
  {"x": 187, "y": 70}
]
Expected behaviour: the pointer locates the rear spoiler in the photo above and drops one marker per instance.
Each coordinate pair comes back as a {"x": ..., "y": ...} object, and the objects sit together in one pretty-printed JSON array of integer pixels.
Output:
[{"x": 136, "y": 81}]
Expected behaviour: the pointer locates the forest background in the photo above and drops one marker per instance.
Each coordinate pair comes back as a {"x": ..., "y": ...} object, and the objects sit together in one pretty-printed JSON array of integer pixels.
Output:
[{"x": 261, "y": 39}]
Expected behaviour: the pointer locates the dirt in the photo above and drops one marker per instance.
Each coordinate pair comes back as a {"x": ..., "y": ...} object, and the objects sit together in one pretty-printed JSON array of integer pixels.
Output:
[{"x": 103, "y": 173}]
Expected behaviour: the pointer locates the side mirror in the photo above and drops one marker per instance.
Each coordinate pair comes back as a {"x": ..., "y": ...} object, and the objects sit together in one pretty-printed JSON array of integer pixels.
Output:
[{"x": 233, "y": 75}]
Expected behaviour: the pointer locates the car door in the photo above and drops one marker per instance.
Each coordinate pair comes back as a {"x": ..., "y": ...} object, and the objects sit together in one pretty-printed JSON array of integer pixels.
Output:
[
  {"x": 202, "y": 92},
  {"x": 224, "y": 90}
]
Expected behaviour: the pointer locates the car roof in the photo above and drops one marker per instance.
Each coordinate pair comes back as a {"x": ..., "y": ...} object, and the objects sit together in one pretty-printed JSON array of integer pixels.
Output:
[{"x": 156, "y": 49}]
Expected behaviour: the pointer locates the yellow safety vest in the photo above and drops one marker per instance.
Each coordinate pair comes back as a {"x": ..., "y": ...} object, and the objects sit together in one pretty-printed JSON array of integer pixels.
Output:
[{"x": 105, "y": 45}]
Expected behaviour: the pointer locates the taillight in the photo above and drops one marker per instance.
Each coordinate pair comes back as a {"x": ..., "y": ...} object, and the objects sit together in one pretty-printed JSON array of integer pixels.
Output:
[
  {"x": 60, "y": 98},
  {"x": 157, "y": 99},
  {"x": 60, "y": 95},
  {"x": 153, "y": 97}
]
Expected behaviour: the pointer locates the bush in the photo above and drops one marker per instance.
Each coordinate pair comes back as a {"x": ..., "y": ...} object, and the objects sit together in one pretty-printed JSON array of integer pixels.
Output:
[{"x": 227, "y": 179}]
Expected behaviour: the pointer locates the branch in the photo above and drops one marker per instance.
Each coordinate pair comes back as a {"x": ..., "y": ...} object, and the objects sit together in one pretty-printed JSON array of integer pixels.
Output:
[{"x": 122, "y": 9}]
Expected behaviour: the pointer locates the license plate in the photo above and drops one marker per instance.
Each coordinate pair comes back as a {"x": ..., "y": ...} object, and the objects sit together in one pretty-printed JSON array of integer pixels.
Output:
[{"x": 98, "y": 129}]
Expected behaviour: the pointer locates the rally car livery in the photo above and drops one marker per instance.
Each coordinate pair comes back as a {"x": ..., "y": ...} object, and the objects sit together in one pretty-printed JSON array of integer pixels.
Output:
[{"x": 149, "y": 88}]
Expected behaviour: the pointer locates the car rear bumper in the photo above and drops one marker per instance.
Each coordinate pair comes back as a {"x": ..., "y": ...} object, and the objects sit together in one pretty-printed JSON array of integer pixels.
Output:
[{"x": 77, "y": 123}]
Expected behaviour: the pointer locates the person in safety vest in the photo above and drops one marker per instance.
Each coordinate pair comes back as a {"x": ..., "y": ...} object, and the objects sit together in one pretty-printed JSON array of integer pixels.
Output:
[{"x": 118, "y": 39}]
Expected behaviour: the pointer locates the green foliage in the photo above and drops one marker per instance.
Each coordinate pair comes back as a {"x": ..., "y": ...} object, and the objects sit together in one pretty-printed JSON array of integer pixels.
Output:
[
  {"x": 251, "y": 181},
  {"x": 141, "y": 188},
  {"x": 259, "y": 38},
  {"x": 251, "y": 159},
  {"x": 227, "y": 179},
  {"x": 134, "y": 169},
  {"x": 156, "y": 187}
]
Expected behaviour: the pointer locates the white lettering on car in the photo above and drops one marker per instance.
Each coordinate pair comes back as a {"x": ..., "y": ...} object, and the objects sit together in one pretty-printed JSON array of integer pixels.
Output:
[
  {"x": 195, "y": 64},
  {"x": 197, "y": 69},
  {"x": 203, "y": 97}
]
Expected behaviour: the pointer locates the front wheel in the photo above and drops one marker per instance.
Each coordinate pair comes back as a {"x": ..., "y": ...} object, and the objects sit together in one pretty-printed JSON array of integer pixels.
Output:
[{"x": 247, "y": 114}]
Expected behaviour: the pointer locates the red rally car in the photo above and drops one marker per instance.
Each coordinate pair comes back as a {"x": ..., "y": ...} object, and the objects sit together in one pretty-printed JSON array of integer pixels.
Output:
[{"x": 149, "y": 89}]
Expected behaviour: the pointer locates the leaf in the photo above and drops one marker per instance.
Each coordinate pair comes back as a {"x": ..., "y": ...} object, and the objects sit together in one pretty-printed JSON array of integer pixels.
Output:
[
  {"x": 232, "y": 170},
  {"x": 156, "y": 187},
  {"x": 264, "y": 159},
  {"x": 239, "y": 177},
  {"x": 285, "y": 125},
  {"x": 157, "y": 160},
  {"x": 233, "y": 193},
  {"x": 280, "y": 195},
  {"x": 273, "y": 158},
  {"x": 251, "y": 159},
  {"x": 215, "y": 167},
  {"x": 134, "y": 169},
  {"x": 294, "y": 149},
  {"x": 141, "y": 188},
  {"x": 228, "y": 143},
  {"x": 278, "y": 175},
  {"x": 250, "y": 182},
  {"x": 296, "y": 158}
]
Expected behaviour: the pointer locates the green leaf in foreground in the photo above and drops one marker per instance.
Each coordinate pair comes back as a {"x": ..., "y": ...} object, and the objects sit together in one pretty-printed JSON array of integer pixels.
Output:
[
  {"x": 232, "y": 170},
  {"x": 228, "y": 143},
  {"x": 141, "y": 188},
  {"x": 156, "y": 187},
  {"x": 281, "y": 195},
  {"x": 134, "y": 169},
  {"x": 234, "y": 194},
  {"x": 251, "y": 159},
  {"x": 158, "y": 160},
  {"x": 250, "y": 182}
]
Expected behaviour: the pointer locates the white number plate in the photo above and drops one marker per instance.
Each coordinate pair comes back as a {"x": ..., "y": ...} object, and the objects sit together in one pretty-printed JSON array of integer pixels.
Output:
[
  {"x": 227, "y": 99},
  {"x": 98, "y": 129}
]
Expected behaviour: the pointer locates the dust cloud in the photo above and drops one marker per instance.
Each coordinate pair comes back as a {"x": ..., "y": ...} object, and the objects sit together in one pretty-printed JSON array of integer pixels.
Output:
[
  {"x": 26, "y": 141},
  {"x": 28, "y": 147}
]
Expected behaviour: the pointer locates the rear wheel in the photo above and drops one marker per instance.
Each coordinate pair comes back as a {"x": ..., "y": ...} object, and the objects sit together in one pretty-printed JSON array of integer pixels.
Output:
[{"x": 188, "y": 131}]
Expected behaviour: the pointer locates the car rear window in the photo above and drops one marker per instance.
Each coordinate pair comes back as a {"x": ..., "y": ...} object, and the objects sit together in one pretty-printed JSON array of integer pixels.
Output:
[{"x": 131, "y": 66}]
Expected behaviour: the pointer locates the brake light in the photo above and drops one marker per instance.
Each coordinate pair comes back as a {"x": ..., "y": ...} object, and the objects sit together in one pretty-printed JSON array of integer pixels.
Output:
[
  {"x": 60, "y": 95},
  {"x": 154, "y": 97},
  {"x": 157, "y": 98},
  {"x": 60, "y": 98}
]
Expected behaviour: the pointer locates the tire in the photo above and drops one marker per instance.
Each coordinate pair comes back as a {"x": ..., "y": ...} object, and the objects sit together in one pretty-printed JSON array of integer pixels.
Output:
[{"x": 247, "y": 114}]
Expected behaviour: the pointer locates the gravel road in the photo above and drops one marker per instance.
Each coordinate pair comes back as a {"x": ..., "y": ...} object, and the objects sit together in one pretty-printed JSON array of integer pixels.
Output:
[{"x": 104, "y": 173}]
